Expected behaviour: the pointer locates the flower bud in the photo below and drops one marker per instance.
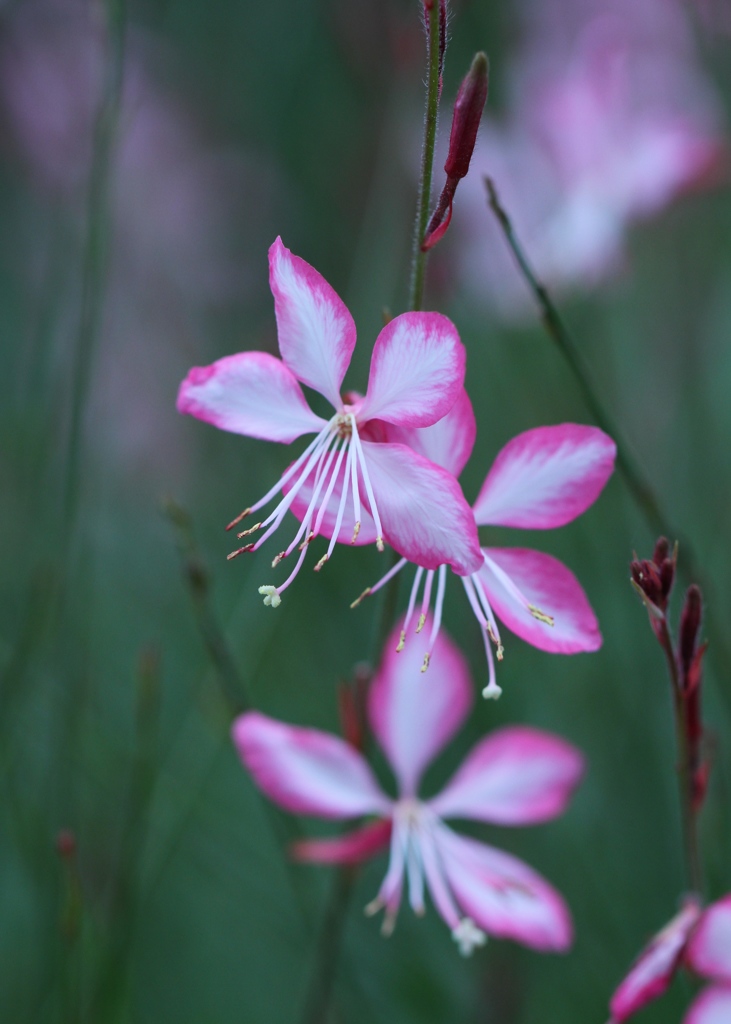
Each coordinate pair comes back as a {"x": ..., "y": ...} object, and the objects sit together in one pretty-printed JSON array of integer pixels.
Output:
[
  {"x": 468, "y": 108},
  {"x": 690, "y": 622}
]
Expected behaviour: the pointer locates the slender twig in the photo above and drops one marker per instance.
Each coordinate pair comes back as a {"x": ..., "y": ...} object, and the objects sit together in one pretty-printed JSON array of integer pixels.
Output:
[
  {"x": 418, "y": 259},
  {"x": 646, "y": 499}
]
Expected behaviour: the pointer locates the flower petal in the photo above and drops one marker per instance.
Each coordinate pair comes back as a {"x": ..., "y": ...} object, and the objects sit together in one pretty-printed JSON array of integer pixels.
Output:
[
  {"x": 424, "y": 514},
  {"x": 448, "y": 443},
  {"x": 417, "y": 371},
  {"x": 654, "y": 968},
  {"x": 713, "y": 1006},
  {"x": 516, "y": 776},
  {"x": 251, "y": 393},
  {"x": 413, "y": 714},
  {"x": 316, "y": 331},
  {"x": 552, "y": 588},
  {"x": 351, "y": 848},
  {"x": 305, "y": 770},
  {"x": 709, "y": 949},
  {"x": 546, "y": 477},
  {"x": 503, "y": 895}
]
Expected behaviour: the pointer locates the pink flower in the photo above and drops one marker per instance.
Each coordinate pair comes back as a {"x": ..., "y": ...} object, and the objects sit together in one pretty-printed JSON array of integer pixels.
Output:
[
  {"x": 516, "y": 776},
  {"x": 700, "y": 940},
  {"x": 541, "y": 479},
  {"x": 343, "y": 485}
]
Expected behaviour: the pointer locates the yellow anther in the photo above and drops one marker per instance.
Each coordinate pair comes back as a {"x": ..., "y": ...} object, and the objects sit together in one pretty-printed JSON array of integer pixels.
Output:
[
  {"x": 239, "y": 517},
  {"x": 425, "y": 662},
  {"x": 278, "y": 558},
  {"x": 422, "y": 620},
  {"x": 500, "y": 652},
  {"x": 541, "y": 616},
  {"x": 252, "y": 529},
  {"x": 308, "y": 539},
  {"x": 321, "y": 563},
  {"x": 356, "y": 531},
  {"x": 401, "y": 642},
  {"x": 379, "y": 544},
  {"x": 366, "y": 592}
]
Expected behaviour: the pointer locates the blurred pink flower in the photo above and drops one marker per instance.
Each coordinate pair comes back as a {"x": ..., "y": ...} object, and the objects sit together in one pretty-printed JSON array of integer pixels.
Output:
[
  {"x": 360, "y": 491},
  {"x": 516, "y": 776},
  {"x": 599, "y": 135},
  {"x": 541, "y": 479},
  {"x": 697, "y": 939}
]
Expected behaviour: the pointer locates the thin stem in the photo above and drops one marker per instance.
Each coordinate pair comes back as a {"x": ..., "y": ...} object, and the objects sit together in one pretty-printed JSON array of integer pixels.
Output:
[
  {"x": 689, "y": 817},
  {"x": 95, "y": 255},
  {"x": 418, "y": 258},
  {"x": 641, "y": 491}
]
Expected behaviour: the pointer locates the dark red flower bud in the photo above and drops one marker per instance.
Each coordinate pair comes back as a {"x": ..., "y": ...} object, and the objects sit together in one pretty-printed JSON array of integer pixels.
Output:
[
  {"x": 468, "y": 108},
  {"x": 653, "y": 579},
  {"x": 690, "y": 624}
]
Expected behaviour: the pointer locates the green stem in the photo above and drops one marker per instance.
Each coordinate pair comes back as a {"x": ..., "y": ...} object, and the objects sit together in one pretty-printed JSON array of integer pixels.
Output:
[
  {"x": 418, "y": 259},
  {"x": 689, "y": 817},
  {"x": 95, "y": 255},
  {"x": 640, "y": 489}
]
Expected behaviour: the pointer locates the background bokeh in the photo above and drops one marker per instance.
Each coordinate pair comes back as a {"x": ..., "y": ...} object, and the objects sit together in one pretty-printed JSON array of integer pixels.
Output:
[{"x": 237, "y": 122}]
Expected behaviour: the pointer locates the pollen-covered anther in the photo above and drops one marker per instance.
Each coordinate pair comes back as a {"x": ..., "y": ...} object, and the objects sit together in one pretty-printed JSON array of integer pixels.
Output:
[
  {"x": 373, "y": 907},
  {"x": 270, "y": 595},
  {"x": 366, "y": 592},
  {"x": 425, "y": 662},
  {"x": 278, "y": 558},
  {"x": 492, "y": 691},
  {"x": 252, "y": 529},
  {"x": 308, "y": 540},
  {"x": 379, "y": 544},
  {"x": 422, "y": 620},
  {"x": 356, "y": 531},
  {"x": 468, "y": 936},
  {"x": 239, "y": 517},
  {"x": 541, "y": 616},
  {"x": 321, "y": 563},
  {"x": 500, "y": 652},
  {"x": 401, "y": 642},
  {"x": 239, "y": 551}
]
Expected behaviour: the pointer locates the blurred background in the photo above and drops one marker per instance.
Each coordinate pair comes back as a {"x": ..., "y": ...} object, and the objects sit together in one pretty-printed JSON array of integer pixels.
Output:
[{"x": 149, "y": 155}]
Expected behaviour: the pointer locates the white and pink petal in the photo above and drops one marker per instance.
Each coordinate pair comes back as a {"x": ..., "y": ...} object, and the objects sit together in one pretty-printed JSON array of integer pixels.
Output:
[
  {"x": 251, "y": 393},
  {"x": 412, "y": 714},
  {"x": 516, "y": 776},
  {"x": 448, "y": 443},
  {"x": 349, "y": 848},
  {"x": 417, "y": 371},
  {"x": 546, "y": 477},
  {"x": 305, "y": 770},
  {"x": 712, "y": 1006},
  {"x": 316, "y": 331},
  {"x": 504, "y": 896},
  {"x": 424, "y": 514},
  {"x": 709, "y": 948},
  {"x": 548, "y": 586},
  {"x": 653, "y": 970}
]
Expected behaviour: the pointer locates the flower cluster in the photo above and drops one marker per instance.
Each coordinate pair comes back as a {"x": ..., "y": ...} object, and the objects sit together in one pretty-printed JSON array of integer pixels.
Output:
[{"x": 383, "y": 469}]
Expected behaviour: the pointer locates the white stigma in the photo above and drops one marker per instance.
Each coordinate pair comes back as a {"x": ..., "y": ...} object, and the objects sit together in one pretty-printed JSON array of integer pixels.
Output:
[
  {"x": 492, "y": 691},
  {"x": 271, "y": 597},
  {"x": 468, "y": 936}
]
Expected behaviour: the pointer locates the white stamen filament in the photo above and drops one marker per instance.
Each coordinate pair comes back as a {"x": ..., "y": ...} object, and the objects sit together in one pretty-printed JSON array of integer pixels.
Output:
[
  {"x": 367, "y": 481},
  {"x": 412, "y": 602},
  {"x": 515, "y": 592},
  {"x": 492, "y": 690}
]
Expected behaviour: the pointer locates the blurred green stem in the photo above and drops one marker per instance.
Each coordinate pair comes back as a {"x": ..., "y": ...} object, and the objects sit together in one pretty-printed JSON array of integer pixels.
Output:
[
  {"x": 95, "y": 254},
  {"x": 636, "y": 481},
  {"x": 418, "y": 258}
]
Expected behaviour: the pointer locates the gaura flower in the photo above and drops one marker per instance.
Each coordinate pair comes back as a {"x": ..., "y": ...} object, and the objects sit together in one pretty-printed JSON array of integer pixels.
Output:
[
  {"x": 355, "y": 490},
  {"x": 541, "y": 479},
  {"x": 516, "y": 776},
  {"x": 697, "y": 939}
]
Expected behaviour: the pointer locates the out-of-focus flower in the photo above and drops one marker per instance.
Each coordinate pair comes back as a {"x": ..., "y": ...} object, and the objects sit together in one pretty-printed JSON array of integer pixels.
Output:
[
  {"x": 543, "y": 478},
  {"x": 516, "y": 776},
  {"x": 358, "y": 491},
  {"x": 697, "y": 939},
  {"x": 598, "y": 136}
]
